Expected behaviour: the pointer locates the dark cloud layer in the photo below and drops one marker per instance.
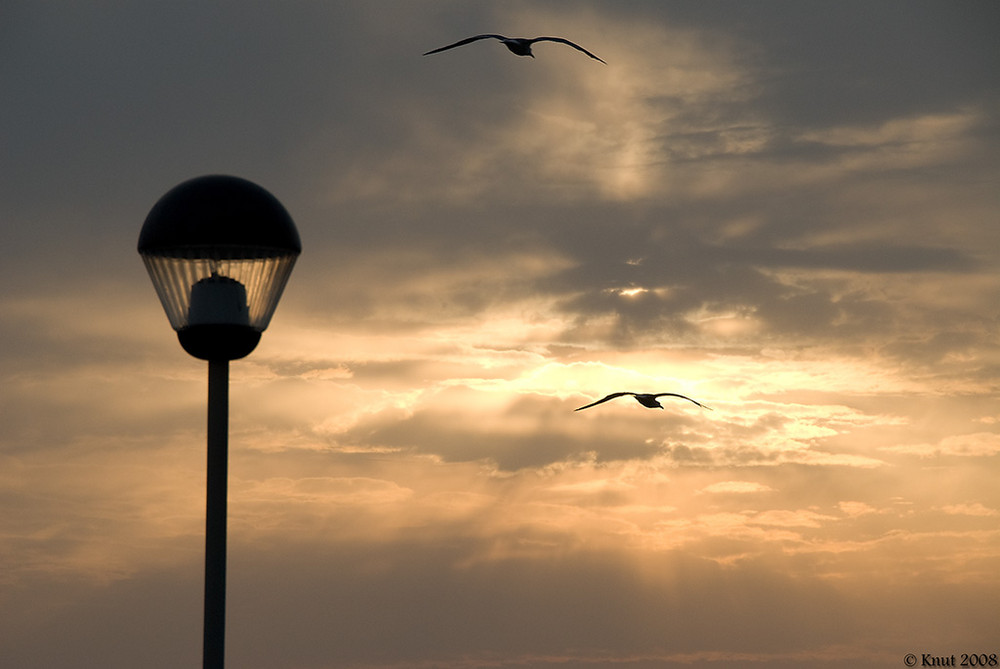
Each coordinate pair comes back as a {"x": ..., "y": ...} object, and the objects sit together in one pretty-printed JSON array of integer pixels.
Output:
[{"x": 378, "y": 607}]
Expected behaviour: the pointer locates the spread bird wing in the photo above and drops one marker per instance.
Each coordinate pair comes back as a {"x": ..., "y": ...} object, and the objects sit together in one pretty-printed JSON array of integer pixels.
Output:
[
  {"x": 566, "y": 41},
  {"x": 466, "y": 41},
  {"x": 604, "y": 399},
  {"x": 683, "y": 397}
]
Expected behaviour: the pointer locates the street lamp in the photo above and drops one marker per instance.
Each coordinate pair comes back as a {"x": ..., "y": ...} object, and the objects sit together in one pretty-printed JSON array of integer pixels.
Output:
[{"x": 219, "y": 250}]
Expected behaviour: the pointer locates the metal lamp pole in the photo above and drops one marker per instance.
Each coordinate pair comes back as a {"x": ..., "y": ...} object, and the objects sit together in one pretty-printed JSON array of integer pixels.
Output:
[
  {"x": 217, "y": 494},
  {"x": 219, "y": 250}
]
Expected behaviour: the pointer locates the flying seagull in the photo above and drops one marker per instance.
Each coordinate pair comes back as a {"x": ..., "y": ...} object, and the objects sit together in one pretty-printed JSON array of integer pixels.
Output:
[
  {"x": 518, "y": 45},
  {"x": 645, "y": 399}
]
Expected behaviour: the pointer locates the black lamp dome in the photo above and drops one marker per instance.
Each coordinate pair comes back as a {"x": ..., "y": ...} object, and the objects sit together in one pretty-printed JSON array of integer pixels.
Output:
[{"x": 218, "y": 210}]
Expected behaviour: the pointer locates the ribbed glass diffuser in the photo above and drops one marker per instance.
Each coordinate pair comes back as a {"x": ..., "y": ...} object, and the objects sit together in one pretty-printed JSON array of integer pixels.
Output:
[{"x": 181, "y": 279}]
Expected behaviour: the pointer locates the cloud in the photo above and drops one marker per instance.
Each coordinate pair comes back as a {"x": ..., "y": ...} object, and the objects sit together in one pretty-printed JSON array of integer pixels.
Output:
[
  {"x": 739, "y": 487},
  {"x": 853, "y": 509},
  {"x": 975, "y": 509},
  {"x": 979, "y": 444}
]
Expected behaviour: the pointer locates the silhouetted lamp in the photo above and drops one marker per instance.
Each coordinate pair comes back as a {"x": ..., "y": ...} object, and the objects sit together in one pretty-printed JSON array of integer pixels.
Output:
[{"x": 219, "y": 250}]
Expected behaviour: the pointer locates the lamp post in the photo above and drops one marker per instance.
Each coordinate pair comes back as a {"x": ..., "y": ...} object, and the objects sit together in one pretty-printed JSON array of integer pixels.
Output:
[{"x": 219, "y": 250}]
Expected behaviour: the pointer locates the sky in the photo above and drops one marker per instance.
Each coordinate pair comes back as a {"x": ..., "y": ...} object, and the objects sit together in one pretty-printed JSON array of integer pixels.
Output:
[{"x": 787, "y": 211}]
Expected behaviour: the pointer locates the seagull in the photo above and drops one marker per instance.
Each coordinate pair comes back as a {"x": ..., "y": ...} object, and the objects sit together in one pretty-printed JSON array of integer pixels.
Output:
[
  {"x": 518, "y": 45},
  {"x": 645, "y": 399}
]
